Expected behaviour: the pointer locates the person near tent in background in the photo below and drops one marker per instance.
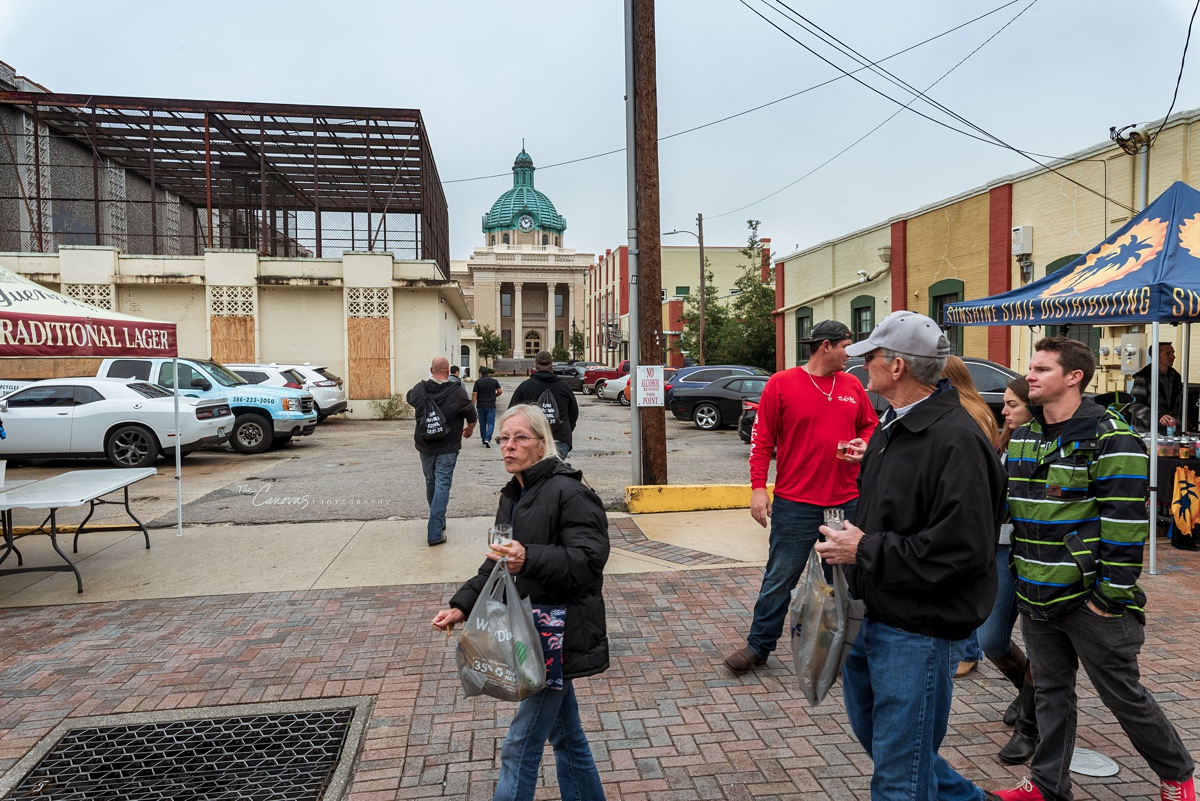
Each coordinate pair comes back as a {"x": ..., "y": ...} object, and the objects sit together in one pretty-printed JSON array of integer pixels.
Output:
[{"x": 1170, "y": 394}]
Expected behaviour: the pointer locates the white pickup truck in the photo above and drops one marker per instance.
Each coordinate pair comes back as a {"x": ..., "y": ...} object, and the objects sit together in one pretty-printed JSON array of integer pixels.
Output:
[{"x": 264, "y": 416}]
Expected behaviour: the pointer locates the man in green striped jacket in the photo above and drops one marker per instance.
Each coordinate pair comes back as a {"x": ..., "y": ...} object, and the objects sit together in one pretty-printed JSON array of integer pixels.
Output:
[{"x": 1077, "y": 496}]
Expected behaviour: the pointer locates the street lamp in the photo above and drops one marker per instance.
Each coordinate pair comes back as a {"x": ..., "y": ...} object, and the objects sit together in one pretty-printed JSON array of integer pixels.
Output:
[{"x": 700, "y": 240}]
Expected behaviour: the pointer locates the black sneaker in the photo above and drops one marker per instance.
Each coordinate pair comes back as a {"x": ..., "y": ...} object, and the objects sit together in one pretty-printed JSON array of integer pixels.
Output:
[
  {"x": 442, "y": 541},
  {"x": 487, "y": 444}
]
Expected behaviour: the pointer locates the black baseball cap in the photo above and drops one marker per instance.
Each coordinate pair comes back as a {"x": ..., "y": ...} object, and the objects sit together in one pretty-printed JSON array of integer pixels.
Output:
[{"x": 830, "y": 330}]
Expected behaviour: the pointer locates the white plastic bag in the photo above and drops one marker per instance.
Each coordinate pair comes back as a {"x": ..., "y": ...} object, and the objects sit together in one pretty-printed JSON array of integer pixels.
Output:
[
  {"x": 500, "y": 651},
  {"x": 825, "y": 621}
]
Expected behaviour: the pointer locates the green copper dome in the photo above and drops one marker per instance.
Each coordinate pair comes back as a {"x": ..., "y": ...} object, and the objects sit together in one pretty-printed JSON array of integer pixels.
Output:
[{"x": 523, "y": 199}]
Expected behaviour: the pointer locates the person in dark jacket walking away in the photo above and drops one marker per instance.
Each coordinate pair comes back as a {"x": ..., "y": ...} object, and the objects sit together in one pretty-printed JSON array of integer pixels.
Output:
[
  {"x": 484, "y": 395},
  {"x": 554, "y": 397},
  {"x": 1077, "y": 492},
  {"x": 921, "y": 554},
  {"x": 444, "y": 417},
  {"x": 559, "y": 549}
]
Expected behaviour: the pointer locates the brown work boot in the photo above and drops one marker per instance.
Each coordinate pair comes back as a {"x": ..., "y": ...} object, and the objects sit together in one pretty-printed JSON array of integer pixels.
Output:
[{"x": 743, "y": 660}]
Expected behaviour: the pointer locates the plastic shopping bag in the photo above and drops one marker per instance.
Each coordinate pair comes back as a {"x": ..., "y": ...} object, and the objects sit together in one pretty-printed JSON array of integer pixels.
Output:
[
  {"x": 500, "y": 652},
  {"x": 825, "y": 621}
]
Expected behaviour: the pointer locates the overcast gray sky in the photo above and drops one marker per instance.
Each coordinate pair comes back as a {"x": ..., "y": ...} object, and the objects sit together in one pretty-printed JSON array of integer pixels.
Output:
[{"x": 487, "y": 74}]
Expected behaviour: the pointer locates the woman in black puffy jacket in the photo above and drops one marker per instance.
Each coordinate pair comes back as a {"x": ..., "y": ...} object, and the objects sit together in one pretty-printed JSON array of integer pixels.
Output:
[{"x": 559, "y": 549}]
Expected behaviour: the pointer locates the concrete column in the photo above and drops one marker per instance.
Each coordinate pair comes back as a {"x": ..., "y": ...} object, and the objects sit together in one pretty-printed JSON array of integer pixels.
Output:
[
  {"x": 518, "y": 328},
  {"x": 569, "y": 317},
  {"x": 551, "y": 320},
  {"x": 499, "y": 306}
]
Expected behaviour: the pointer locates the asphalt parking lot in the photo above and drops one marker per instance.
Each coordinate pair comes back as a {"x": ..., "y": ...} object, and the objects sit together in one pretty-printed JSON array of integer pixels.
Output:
[{"x": 368, "y": 470}]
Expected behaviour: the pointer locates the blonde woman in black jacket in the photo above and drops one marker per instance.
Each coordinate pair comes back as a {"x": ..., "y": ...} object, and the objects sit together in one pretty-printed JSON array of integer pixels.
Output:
[{"x": 559, "y": 549}]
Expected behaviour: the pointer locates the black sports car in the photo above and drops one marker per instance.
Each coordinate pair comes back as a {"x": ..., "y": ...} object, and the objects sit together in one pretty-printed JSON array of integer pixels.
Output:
[{"x": 719, "y": 403}]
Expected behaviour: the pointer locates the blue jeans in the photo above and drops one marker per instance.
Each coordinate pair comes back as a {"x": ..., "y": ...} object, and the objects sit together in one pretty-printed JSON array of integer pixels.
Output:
[
  {"x": 553, "y": 716},
  {"x": 794, "y": 530},
  {"x": 487, "y": 421},
  {"x": 995, "y": 635},
  {"x": 971, "y": 651},
  {"x": 439, "y": 473},
  {"x": 897, "y": 687},
  {"x": 563, "y": 449}
]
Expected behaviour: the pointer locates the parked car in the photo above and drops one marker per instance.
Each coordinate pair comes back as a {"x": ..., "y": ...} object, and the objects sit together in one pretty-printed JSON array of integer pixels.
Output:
[
  {"x": 264, "y": 417},
  {"x": 718, "y": 403},
  {"x": 696, "y": 377},
  {"x": 990, "y": 379},
  {"x": 594, "y": 378},
  {"x": 130, "y": 423},
  {"x": 572, "y": 374},
  {"x": 747, "y": 418},
  {"x": 328, "y": 391},
  {"x": 614, "y": 389}
]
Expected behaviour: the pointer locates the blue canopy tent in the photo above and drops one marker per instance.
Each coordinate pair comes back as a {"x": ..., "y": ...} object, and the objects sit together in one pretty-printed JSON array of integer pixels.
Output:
[{"x": 1146, "y": 272}]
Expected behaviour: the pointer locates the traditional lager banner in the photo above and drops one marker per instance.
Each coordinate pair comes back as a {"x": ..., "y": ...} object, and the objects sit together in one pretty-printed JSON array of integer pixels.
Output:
[{"x": 38, "y": 322}]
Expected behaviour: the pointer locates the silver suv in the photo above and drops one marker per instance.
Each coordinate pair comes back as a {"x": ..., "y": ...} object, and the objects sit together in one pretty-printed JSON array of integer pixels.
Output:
[{"x": 327, "y": 389}]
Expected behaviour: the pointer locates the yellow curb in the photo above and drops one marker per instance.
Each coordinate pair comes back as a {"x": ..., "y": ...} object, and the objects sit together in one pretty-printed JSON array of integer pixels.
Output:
[{"x": 651, "y": 498}]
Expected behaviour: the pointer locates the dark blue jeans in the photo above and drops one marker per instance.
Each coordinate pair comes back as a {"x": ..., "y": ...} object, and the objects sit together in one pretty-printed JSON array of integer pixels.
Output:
[
  {"x": 439, "y": 473},
  {"x": 487, "y": 421},
  {"x": 550, "y": 716},
  {"x": 897, "y": 687},
  {"x": 794, "y": 529}
]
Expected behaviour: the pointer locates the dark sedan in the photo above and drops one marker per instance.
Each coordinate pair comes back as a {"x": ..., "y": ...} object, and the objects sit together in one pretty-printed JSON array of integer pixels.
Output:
[
  {"x": 990, "y": 379},
  {"x": 746, "y": 421},
  {"x": 717, "y": 404}
]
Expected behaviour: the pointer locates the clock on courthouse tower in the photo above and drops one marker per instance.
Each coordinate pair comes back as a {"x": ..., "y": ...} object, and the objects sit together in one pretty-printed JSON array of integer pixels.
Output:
[{"x": 525, "y": 223}]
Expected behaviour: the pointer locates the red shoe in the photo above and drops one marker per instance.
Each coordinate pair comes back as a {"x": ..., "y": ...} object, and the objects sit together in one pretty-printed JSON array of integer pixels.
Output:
[
  {"x": 1178, "y": 791},
  {"x": 1027, "y": 791}
]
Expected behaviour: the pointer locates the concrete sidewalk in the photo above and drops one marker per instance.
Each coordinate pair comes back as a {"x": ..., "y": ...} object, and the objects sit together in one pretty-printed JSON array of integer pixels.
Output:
[{"x": 224, "y": 560}]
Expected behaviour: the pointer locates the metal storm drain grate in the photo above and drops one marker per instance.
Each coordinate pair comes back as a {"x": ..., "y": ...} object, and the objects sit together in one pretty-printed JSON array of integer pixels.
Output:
[{"x": 296, "y": 751}]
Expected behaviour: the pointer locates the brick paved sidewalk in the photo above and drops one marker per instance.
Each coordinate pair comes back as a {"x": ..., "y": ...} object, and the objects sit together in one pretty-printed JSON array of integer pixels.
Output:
[{"x": 666, "y": 722}]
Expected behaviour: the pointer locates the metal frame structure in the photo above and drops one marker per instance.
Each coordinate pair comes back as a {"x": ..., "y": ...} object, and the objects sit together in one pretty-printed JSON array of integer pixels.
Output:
[{"x": 286, "y": 180}]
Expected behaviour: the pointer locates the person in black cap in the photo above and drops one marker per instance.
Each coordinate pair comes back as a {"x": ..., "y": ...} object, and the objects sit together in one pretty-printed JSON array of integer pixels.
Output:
[
  {"x": 554, "y": 397},
  {"x": 804, "y": 414}
]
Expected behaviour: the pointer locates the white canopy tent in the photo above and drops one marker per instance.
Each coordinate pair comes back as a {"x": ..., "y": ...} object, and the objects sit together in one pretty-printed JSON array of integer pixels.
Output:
[{"x": 38, "y": 323}]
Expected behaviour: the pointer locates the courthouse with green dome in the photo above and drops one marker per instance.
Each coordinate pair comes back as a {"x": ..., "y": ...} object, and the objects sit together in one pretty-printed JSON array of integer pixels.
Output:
[{"x": 525, "y": 284}]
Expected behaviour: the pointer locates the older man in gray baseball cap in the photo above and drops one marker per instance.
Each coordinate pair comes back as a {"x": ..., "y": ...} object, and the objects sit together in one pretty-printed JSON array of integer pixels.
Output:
[{"x": 921, "y": 554}]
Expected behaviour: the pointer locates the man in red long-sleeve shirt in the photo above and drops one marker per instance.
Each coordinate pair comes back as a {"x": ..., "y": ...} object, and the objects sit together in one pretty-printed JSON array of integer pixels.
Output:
[{"x": 803, "y": 414}]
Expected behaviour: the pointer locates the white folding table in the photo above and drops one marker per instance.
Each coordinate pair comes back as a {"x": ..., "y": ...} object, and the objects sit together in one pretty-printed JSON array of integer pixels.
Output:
[{"x": 74, "y": 488}]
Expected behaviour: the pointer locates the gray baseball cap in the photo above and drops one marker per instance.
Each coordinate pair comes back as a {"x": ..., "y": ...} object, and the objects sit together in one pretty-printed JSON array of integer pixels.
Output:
[{"x": 904, "y": 332}]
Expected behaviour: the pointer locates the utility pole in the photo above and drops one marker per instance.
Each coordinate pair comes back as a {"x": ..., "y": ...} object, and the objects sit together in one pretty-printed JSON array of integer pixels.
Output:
[
  {"x": 647, "y": 425},
  {"x": 703, "y": 293}
]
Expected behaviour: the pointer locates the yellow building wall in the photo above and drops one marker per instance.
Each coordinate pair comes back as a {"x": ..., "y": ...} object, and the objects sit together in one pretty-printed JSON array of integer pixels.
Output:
[
  {"x": 302, "y": 325},
  {"x": 951, "y": 242},
  {"x": 835, "y": 264}
]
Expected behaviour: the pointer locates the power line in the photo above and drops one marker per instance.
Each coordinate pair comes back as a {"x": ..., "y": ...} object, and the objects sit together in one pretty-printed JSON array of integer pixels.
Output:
[
  {"x": 702, "y": 126},
  {"x": 991, "y": 138},
  {"x": 1178, "y": 78},
  {"x": 880, "y": 125}
]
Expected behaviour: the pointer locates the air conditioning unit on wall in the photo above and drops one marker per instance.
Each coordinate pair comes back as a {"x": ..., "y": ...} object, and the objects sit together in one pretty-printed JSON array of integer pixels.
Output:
[{"x": 1022, "y": 240}]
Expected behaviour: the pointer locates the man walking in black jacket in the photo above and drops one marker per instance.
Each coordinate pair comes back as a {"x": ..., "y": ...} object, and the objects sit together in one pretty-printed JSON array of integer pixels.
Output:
[
  {"x": 555, "y": 398},
  {"x": 921, "y": 554},
  {"x": 442, "y": 407}
]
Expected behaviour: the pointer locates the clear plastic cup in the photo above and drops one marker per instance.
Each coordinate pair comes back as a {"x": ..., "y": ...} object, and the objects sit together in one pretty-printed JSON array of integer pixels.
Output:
[
  {"x": 500, "y": 534},
  {"x": 835, "y": 518}
]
